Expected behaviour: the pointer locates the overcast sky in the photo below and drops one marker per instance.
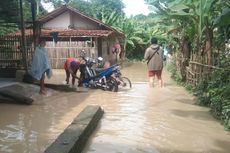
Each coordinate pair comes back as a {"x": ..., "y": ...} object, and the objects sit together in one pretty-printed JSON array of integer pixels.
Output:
[{"x": 132, "y": 7}]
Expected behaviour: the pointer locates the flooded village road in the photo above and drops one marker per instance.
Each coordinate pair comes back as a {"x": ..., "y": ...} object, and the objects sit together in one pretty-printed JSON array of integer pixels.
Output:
[{"x": 140, "y": 120}]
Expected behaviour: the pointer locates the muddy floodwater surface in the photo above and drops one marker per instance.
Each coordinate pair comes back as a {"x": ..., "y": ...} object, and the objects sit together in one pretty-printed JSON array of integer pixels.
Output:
[{"x": 139, "y": 120}]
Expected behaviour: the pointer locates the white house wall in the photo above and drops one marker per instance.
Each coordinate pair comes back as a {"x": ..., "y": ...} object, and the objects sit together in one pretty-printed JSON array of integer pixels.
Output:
[
  {"x": 67, "y": 19},
  {"x": 61, "y": 21},
  {"x": 81, "y": 22}
]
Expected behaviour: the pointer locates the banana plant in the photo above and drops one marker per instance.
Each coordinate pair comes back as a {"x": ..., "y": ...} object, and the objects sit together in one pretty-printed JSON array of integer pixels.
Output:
[{"x": 109, "y": 19}]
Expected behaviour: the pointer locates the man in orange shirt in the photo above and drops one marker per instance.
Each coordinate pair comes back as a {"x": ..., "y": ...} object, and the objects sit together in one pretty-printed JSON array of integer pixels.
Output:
[{"x": 71, "y": 66}]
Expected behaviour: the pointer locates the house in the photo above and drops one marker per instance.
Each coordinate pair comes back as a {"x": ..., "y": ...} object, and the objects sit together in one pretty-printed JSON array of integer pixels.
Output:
[{"x": 68, "y": 31}]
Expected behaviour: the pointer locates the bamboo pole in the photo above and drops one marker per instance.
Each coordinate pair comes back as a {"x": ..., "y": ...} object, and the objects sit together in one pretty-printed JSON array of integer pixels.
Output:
[
  {"x": 210, "y": 66},
  {"x": 33, "y": 20},
  {"x": 23, "y": 38}
]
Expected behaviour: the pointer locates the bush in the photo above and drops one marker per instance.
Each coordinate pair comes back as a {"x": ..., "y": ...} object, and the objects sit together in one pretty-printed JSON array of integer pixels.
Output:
[
  {"x": 172, "y": 68},
  {"x": 215, "y": 93}
]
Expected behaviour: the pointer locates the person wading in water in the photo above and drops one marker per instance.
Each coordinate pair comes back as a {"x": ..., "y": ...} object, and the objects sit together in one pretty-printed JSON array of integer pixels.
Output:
[{"x": 154, "y": 55}]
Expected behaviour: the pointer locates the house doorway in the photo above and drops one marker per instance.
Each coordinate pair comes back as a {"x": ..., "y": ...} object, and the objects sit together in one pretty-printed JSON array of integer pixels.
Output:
[{"x": 99, "y": 47}]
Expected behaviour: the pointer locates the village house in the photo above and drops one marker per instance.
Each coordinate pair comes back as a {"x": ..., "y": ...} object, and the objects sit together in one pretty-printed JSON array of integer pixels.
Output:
[{"x": 68, "y": 31}]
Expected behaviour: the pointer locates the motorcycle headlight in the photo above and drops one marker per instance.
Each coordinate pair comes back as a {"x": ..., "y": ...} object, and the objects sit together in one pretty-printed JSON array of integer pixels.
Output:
[
  {"x": 87, "y": 59},
  {"x": 100, "y": 59}
]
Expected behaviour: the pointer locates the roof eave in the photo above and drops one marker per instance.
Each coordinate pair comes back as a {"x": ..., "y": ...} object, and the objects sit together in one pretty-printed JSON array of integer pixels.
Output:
[{"x": 64, "y": 8}]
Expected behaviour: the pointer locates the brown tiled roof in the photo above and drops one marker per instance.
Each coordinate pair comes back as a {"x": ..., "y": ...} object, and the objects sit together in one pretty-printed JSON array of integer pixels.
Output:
[
  {"x": 107, "y": 30},
  {"x": 69, "y": 32},
  {"x": 77, "y": 32}
]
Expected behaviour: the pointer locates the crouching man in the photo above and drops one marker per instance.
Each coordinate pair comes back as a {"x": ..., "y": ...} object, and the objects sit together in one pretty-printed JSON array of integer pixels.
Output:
[{"x": 71, "y": 67}]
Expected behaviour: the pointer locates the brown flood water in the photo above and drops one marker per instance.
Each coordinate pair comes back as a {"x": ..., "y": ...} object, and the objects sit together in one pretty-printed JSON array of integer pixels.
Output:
[{"x": 139, "y": 120}]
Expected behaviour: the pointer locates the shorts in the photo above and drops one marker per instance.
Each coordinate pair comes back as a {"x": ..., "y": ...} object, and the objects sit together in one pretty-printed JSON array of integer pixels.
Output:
[{"x": 155, "y": 72}]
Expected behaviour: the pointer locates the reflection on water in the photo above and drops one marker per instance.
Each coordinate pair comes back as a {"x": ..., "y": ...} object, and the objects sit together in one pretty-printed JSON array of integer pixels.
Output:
[
  {"x": 121, "y": 129},
  {"x": 139, "y": 120}
]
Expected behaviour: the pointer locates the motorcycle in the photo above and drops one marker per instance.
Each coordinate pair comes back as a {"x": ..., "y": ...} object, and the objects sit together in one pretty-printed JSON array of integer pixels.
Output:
[
  {"x": 122, "y": 81},
  {"x": 102, "y": 79}
]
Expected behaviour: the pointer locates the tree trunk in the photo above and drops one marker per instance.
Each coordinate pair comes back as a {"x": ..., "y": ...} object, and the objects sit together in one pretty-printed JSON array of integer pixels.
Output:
[
  {"x": 208, "y": 45},
  {"x": 23, "y": 38},
  {"x": 185, "y": 51},
  {"x": 124, "y": 50},
  {"x": 197, "y": 48},
  {"x": 33, "y": 20}
]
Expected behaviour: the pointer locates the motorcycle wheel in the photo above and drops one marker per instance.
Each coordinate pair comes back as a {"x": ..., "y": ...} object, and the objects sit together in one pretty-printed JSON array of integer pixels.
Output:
[
  {"x": 125, "y": 83},
  {"x": 111, "y": 85}
]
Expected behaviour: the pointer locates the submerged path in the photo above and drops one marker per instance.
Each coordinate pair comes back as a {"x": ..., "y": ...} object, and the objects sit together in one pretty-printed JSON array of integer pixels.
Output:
[
  {"x": 140, "y": 120},
  {"x": 152, "y": 120}
]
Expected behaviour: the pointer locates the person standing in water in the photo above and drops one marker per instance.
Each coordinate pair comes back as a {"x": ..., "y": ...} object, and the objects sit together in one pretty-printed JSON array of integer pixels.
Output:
[
  {"x": 41, "y": 65},
  {"x": 154, "y": 55}
]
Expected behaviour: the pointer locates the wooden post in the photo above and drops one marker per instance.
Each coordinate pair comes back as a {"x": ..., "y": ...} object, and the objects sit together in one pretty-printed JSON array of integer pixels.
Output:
[
  {"x": 33, "y": 20},
  {"x": 23, "y": 38}
]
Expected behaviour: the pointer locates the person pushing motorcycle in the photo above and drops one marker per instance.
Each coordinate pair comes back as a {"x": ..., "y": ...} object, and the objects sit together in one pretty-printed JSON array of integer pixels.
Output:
[{"x": 71, "y": 67}]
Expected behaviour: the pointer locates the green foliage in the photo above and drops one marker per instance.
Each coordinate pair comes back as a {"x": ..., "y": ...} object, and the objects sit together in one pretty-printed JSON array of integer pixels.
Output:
[
  {"x": 103, "y": 7},
  {"x": 172, "y": 68},
  {"x": 137, "y": 52},
  {"x": 83, "y": 6},
  {"x": 27, "y": 10},
  {"x": 9, "y": 19},
  {"x": 215, "y": 93},
  {"x": 202, "y": 21},
  {"x": 201, "y": 92},
  {"x": 99, "y": 9},
  {"x": 56, "y": 3},
  {"x": 9, "y": 11},
  {"x": 10, "y": 14},
  {"x": 8, "y": 28}
]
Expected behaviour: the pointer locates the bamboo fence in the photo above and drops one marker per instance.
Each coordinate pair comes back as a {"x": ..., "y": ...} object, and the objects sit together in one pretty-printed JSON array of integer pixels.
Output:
[
  {"x": 62, "y": 50},
  {"x": 196, "y": 71},
  {"x": 11, "y": 53}
]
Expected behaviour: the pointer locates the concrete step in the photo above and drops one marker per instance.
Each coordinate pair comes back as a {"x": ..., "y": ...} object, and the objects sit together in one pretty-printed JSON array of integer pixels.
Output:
[{"x": 75, "y": 136}]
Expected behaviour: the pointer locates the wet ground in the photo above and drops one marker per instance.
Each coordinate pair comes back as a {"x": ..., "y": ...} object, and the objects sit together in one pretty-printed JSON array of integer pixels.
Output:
[{"x": 139, "y": 120}]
